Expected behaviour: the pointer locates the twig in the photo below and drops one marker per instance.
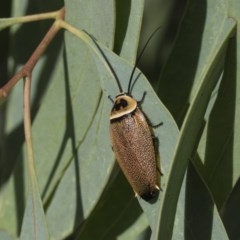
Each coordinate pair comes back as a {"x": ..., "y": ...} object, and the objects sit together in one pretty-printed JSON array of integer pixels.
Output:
[
  {"x": 8, "y": 22},
  {"x": 28, "y": 67}
]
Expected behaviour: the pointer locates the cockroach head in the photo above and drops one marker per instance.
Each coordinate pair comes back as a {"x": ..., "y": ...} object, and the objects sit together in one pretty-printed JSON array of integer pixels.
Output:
[{"x": 123, "y": 105}]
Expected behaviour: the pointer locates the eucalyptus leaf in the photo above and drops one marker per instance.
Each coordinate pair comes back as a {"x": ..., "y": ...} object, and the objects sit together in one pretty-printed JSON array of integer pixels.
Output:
[
  {"x": 129, "y": 16},
  {"x": 5, "y": 236},
  {"x": 152, "y": 105},
  {"x": 189, "y": 137}
]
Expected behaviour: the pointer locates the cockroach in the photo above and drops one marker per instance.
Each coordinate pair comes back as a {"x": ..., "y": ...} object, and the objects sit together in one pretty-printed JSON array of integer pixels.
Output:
[
  {"x": 132, "y": 138},
  {"x": 133, "y": 141}
]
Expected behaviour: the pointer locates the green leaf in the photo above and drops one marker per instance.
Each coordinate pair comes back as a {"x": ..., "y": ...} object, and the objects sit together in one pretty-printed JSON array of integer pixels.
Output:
[
  {"x": 215, "y": 166},
  {"x": 128, "y": 26},
  {"x": 95, "y": 149},
  {"x": 96, "y": 18},
  {"x": 230, "y": 212},
  {"x": 189, "y": 136},
  {"x": 5, "y": 236},
  {"x": 119, "y": 209}
]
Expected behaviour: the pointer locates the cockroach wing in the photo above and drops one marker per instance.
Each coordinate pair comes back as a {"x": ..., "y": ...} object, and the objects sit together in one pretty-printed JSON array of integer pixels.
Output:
[{"x": 133, "y": 146}]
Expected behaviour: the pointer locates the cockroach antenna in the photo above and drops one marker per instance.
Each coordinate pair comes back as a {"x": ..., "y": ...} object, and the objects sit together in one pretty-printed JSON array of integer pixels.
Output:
[
  {"x": 106, "y": 59},
  {"x": 135, "y": 66},
  {"x": 138, "y": 60}
]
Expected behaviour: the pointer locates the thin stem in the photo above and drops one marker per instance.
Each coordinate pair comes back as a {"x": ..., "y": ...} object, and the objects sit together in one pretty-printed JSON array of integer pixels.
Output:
[
  {"x": 27, "y": 123},
  {"x": 8, "y": 22}
]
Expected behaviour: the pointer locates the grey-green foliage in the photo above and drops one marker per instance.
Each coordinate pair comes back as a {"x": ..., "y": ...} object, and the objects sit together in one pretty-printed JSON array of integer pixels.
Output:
[{"x": 83, "y": 194}]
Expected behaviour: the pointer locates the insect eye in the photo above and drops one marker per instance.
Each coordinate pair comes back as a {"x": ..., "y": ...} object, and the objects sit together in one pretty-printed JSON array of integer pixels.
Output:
[
  {"x": 120, "y": 104},
  {"x": 123, "y": 103}
]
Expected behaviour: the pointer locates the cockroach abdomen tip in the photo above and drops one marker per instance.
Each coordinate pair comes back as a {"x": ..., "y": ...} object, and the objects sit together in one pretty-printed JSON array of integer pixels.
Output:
[{"x": 148, "y": 196}]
